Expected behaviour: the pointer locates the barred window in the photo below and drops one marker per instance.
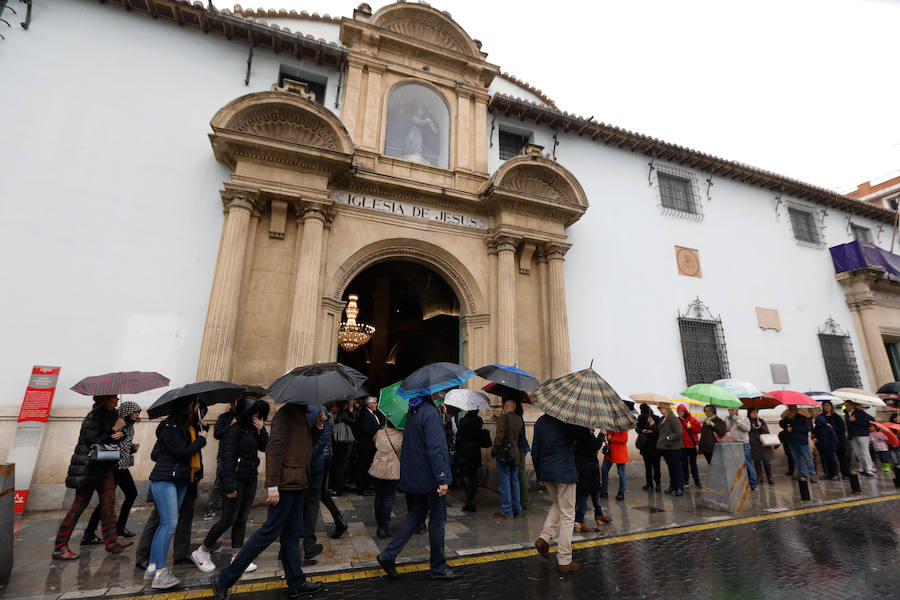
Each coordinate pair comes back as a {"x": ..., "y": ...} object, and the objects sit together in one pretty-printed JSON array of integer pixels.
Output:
[
  {"x": 316, "y": 84},
  {"x": 511, "y": 143},
  {"x": 703, "y": 348},
  {"x": 675, "y": 192},
  {"x": 840, "y": 361},
  {"x": 860, "y": 233},
  {"x": 803, "y": 223}
]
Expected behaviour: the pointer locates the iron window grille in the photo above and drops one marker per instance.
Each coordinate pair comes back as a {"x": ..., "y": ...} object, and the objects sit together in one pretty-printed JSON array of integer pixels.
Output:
[
  {"x": 807, "y": 225},
  {"x": 860, "y": 233},
  {"x": 677, "y": 191},
  {"x": 511, "y": 144},
  {"x": 702, "y": 345},
  {"x": 840, "y": 360}
]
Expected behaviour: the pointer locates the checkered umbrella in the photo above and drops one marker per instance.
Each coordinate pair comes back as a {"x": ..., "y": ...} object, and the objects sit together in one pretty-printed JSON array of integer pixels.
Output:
[
  {"x": 584, "y": 398},
  {"x": 126, "y": 382}
]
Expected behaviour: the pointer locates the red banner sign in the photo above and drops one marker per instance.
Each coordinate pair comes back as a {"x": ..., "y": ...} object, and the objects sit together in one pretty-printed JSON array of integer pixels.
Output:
[{"x": 39, "y": 394}]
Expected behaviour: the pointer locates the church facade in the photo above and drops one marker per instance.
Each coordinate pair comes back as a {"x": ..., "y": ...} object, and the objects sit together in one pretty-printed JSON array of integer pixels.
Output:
[{"x": 203, "y": 199}]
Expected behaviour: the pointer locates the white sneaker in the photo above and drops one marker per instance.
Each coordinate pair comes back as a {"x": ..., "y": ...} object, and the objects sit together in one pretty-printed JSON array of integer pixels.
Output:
[
  {"x": 150, "y": 573},
  {"x": 250, "y": 568},
  {"x": 203, "y": 561},
  {"x": 164, "y": 579}
]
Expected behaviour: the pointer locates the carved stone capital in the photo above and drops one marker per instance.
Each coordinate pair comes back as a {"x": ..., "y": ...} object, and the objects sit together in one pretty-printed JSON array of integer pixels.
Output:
[
  {"x": 491, "y": 246},
  {"x": 506, "y": 244},
  {"x": 241, "y": 200},
  {"x": 556, "y": 251}
]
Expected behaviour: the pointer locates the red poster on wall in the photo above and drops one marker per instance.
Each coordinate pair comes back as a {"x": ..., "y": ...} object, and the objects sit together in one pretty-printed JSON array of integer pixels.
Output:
[
  {"x": 39, "y": 394},
  {"x": 30, "y": 429}
]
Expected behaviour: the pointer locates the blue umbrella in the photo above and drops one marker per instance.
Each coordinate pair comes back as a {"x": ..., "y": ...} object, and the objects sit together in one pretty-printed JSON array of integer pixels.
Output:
[
  {"x": 512, "y": 377},
  {"x": 433, "y": 378}
]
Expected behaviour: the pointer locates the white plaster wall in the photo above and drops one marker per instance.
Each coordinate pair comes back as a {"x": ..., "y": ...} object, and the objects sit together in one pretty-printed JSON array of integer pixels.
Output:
[{"x": 109, "y": 190}]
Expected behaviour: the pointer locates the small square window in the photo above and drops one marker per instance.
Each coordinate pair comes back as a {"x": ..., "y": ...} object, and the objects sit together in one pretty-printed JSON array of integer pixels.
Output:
[
  {"x": 860, "y": 233},
  {"x": 316, "y": 84},
  {"x": 511, "y": 143},
  {"x": 677, "y": 193},
  {"x": 805, "y": 228}
]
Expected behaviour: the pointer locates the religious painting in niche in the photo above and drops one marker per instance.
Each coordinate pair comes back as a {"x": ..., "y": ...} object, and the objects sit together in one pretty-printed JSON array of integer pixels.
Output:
[{"x": 418, "y": 126}]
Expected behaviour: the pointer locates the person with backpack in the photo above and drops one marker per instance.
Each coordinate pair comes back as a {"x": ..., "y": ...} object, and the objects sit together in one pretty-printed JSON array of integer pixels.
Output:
[{"x": 506, "y": 452}]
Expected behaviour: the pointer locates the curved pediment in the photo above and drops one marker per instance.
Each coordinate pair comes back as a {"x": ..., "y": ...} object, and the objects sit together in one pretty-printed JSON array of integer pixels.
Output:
[
  {"x": 536, "y": 175},
  {"x": 424, "y": 23},
  {"x": 284, "y": 117}
]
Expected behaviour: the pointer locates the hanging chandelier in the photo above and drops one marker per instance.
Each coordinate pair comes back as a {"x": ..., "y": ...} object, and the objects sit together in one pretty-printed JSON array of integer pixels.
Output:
[{"x": 352, "y": 335}]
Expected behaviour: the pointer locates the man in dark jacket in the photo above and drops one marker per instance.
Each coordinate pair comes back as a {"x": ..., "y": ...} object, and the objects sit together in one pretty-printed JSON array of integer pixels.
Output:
[
  {"x": 367, "y": 425},
  {"x": 840, "y": 430},
  {"x": 425, "y": 477},
  {"x": 287, "y": 464},
  {"x": 553, "y": 455},
  {"x": 797, "y": 428},
  {"x": 858, "y": 422}
]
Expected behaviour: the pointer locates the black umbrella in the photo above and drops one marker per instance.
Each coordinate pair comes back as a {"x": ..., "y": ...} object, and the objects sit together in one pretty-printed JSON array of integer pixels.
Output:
[
  {"x": 208, "y": 392},
  {"x": 321, "y": 383},
  {"x": 433, "y": 378},
  {"x": 890, "y": 388},
  {"x": 512, "y": 377}
]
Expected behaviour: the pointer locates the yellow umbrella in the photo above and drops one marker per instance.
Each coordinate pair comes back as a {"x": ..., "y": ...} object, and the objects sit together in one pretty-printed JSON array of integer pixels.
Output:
[{"x": 651, "y": 398}]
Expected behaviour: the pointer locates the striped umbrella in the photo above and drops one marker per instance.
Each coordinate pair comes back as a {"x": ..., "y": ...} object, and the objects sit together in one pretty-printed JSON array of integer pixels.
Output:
[
  {"x": 126, "y": 382},
  {"x": 584, "y": 398}
]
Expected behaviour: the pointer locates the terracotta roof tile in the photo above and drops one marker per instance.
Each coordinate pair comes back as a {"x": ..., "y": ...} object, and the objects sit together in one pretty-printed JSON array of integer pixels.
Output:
[{"x": 537, "y": 92}]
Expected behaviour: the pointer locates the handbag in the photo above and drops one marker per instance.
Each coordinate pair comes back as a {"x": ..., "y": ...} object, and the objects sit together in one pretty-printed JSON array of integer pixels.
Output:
[
  {"x": 769, "y": 440},
  {"x": 642, "y": 441},
  {"x": 505, "y": 454},
  {"x": 484, "y": 438},
  {"x": 343, "y": 433},
  {"x": 103, "y": 453}
]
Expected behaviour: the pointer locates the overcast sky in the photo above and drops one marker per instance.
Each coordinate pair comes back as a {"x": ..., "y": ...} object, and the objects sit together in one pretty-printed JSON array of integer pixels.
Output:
[{"x": 806, "y": 88}]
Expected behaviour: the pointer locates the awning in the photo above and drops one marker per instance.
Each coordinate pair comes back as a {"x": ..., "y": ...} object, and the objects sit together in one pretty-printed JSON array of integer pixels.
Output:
[{"x": 859, "y": 255}]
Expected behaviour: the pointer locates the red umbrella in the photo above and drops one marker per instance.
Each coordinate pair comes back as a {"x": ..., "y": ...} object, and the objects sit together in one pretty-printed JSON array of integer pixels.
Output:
[
  {"x": 793, "y": 398},
  {"x": 128, "y": 382},
  {"x": 506, "y": 392},
  {"x": 885, "y": 428}
]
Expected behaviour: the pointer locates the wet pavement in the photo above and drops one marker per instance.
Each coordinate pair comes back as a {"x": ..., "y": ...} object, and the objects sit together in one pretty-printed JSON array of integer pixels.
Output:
[{"x": 724, "y": 558}]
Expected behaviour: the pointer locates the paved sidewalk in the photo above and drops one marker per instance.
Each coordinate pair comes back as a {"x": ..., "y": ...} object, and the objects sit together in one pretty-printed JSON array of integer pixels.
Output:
[{"x": 97, "y": 573}]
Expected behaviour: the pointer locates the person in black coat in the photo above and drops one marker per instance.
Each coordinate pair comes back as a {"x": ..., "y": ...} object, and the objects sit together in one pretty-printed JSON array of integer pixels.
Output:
[
  {"x": 101, "y": 426},
  {"x": 469, "y": 442},
  {"x": 648, "y": 426},
  {"x": 796, "y": 429},
  {"x": 223, "y": 422},
  {"x": 858, "y": 422},
  {"x": 826, "y": 442},
  {"x": 842, "y": 449},
  {"x": 589, "y": 480},
  {"x": 367, "y": 425},
  {"x": 179, "y": 440},
  {"x": 238, "y": 464}
]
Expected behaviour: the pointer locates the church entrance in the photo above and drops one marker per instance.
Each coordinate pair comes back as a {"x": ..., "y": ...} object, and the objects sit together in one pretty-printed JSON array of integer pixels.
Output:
[{"x": 416, "y": 318}]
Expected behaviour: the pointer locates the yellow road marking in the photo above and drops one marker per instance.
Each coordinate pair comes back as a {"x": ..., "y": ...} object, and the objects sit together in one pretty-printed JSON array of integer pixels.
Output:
[{"x": 498, "y": 556}]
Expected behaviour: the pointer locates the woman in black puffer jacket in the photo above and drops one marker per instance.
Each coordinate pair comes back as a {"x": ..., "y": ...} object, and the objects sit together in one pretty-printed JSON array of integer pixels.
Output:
[
  {"x": 101, "y": 426},
  {"x": 238, "y": 465}
]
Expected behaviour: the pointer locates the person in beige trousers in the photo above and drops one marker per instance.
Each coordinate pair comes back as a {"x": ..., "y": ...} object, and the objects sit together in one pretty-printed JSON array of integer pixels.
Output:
[{"x": 553, "y": 454}]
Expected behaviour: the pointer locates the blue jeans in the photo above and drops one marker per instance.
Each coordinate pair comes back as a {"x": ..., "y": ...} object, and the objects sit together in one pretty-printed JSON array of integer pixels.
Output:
[
  {"x": 751, "y": 472},
  {"x": 508, "y": 476},
  {"x": 581, "y": 499},
  {"x": 418, "y": 506},
  {"x": 167, "y": 495},
  {"x": 285, "y": 521},
  {"x": 385, "y": 492},
  {"x": 620, "y": 467},
  {"x": 803, "y": 460}
]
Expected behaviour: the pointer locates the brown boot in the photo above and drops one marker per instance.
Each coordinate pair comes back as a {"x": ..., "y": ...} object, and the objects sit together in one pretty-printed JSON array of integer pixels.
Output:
[
  {"x": 61, "y": 548},
  {"x": 114, "y": 544},
  {"x": 603, "y": 519},
  {"x": 582, "y": 528},
  {"x": 543, "y": 547},
  {"x": 569, "y": 568}
]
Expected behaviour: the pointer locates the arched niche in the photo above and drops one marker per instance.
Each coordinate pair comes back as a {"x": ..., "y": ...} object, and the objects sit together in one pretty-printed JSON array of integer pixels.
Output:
[{"x": 417, "y": 127}]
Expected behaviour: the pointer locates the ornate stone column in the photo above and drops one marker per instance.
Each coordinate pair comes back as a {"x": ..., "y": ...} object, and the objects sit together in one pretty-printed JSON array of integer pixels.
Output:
[
  {"x": 221, "y": 319},
  {"x": 881, "y": 365},
  {"x": 560, "y": 363},
  {"x": 857, "y": 286},
  {"x": 302, "y": 330},
  {"x": 506, "y": 301}
]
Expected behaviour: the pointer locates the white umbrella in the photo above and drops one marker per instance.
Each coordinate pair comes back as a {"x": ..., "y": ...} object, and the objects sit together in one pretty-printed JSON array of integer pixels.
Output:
[
  {"x": 741, "y": 389},
  {"x": 857, "y": 396},
  {"x": 467, "y": 400}
]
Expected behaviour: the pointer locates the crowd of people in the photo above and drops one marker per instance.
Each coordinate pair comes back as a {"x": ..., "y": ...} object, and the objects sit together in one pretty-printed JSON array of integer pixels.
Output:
[{"x": 312, "y": 452}]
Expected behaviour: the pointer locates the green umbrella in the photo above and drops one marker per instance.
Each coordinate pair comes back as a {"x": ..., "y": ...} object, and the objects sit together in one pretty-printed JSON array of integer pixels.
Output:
[
  {"x": 393, "y": 406},
  {"x": 713, "y": 394}
]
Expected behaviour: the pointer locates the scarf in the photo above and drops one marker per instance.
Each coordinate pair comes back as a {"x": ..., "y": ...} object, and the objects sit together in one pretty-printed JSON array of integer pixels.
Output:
[
  {"x": 126, "y": 457},
  {"x": 195, "y": 458}
]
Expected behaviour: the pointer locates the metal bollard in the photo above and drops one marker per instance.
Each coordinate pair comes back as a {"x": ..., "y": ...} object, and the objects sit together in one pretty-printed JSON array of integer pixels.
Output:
[
  {"x": 804, "y": 489},
  {"x": 7, "y": 518},
  {"x": 854, "y": 483}
]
